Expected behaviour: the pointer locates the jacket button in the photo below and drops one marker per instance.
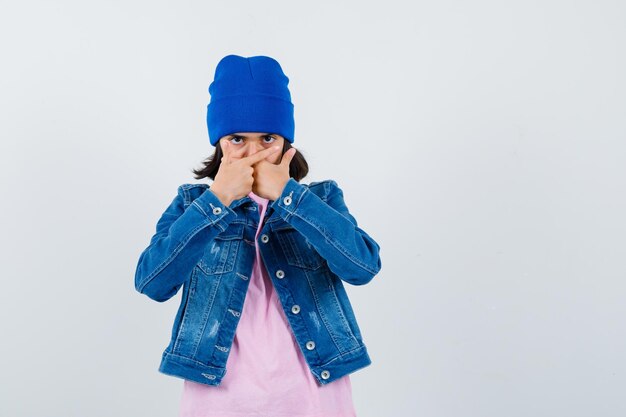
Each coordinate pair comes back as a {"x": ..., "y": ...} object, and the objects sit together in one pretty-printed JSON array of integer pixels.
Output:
[
  {"x": 295, "y": 309},
  {"x": 325, "y": 374},
  {"x": 280, "y": 274},
  {"x": 264, "y": 238},
  {"x": 217, "y": 210},
  {"x": 287, "y": 200},
  {"x": 310, "y": 345}
]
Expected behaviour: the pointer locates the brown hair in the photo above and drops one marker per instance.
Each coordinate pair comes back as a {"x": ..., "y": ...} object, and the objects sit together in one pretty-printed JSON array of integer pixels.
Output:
[{"x": 298, "y": 167}]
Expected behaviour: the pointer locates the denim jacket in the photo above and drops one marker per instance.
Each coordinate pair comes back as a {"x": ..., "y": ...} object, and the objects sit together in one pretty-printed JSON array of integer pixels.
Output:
[{"x": 310, "y": 244}]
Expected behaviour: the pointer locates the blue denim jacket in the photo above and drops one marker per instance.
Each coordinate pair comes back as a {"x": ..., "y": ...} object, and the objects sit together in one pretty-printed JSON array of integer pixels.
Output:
[{"x": 309, "y": 243}]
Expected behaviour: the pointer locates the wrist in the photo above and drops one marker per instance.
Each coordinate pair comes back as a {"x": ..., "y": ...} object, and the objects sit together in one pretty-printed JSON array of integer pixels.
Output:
[
  {"x": 223, "y": 197},
  {"x": 281, "y": 189}
]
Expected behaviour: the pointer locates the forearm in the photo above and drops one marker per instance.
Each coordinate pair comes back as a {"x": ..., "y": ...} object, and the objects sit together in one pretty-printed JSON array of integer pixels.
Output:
[
  {"x": 179, "y": 244},
  {"x": 349, "y": 251}
]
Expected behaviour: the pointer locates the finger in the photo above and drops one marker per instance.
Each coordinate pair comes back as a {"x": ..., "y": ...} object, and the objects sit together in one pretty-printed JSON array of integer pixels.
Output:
[
  {"x": 287, "y": 157},
  {"x": 225, "y": 151},
  {"x": 261, "y": 162},
  {"x": 252, "y": 159},
  {"x": 233, "y": 152},
  {"x": 236, "y": 153}
]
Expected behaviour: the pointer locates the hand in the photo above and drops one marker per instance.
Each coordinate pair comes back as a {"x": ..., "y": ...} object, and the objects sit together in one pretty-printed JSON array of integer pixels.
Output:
[
  {"x": 234, "y": 177},
  {"x": 270, "y": 179}
]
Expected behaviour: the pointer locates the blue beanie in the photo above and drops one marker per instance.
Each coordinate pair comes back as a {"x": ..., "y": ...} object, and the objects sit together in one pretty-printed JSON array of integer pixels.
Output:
[{"x": 249, "y": 95}]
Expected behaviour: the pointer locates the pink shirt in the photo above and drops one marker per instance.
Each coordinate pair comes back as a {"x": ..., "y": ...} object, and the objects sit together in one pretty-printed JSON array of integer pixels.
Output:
[{"x": 266, "y": 373}]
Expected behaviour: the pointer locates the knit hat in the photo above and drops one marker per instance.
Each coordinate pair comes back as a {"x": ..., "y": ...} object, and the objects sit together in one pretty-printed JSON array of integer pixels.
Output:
[{"x": 249, "y": 95}]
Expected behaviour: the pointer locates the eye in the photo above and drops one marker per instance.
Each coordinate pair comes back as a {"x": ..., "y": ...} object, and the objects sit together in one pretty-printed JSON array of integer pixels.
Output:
[
  {"x": 270, "y": 138},
  {"x": 232, "y": 140}
]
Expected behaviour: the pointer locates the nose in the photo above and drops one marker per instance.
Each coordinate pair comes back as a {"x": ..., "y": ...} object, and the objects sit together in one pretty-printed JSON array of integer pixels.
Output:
[{"x": 253, "y": 148}]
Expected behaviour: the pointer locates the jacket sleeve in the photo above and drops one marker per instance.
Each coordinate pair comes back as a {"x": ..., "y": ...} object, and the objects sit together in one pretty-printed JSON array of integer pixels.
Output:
[
  {"x": 330, "y": 228},
  {"x": 179, "y": 242}
]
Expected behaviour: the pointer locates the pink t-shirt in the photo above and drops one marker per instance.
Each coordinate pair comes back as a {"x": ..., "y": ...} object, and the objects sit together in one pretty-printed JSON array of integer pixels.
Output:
[{"x": 266, "y": 373}]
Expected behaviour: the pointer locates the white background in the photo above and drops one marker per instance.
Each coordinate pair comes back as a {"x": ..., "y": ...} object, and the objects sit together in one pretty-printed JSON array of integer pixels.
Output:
[{"x": 482, "y": 144}]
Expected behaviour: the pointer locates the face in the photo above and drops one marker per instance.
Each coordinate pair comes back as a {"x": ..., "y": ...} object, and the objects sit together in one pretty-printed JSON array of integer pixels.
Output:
[{"x": 244, "y": 144}]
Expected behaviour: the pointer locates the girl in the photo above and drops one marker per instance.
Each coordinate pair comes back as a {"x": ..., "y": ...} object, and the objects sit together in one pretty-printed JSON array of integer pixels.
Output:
[{"x": 265, "y": 326}]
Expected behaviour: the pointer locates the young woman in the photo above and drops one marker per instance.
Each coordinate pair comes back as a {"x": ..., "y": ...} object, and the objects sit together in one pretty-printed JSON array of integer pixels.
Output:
[{"x": 265, "y": 326}]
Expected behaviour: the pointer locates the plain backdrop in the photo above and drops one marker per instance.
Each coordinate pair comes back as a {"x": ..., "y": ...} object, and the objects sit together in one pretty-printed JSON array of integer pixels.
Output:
[{"x": 482, "y": 144}]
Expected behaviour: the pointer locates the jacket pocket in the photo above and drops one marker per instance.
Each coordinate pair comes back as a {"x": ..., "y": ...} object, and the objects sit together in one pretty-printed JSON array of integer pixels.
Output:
[
  {"x": 220, "y": 254},
  {"x": 298, "y": 251}
]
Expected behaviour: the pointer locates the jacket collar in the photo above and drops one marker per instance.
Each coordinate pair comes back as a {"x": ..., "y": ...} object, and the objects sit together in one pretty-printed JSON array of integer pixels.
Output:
[{"x": 269, "y": 214}]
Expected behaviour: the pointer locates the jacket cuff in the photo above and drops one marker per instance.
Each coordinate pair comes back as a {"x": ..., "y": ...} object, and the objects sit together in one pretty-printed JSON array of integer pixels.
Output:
[
  {"x": 213, "y": 209},
  {"x": 289, "y": 199}
]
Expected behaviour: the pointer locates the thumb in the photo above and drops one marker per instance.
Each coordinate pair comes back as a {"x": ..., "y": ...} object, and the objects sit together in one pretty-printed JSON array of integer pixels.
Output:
[{"x": 287, "y": 157}]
